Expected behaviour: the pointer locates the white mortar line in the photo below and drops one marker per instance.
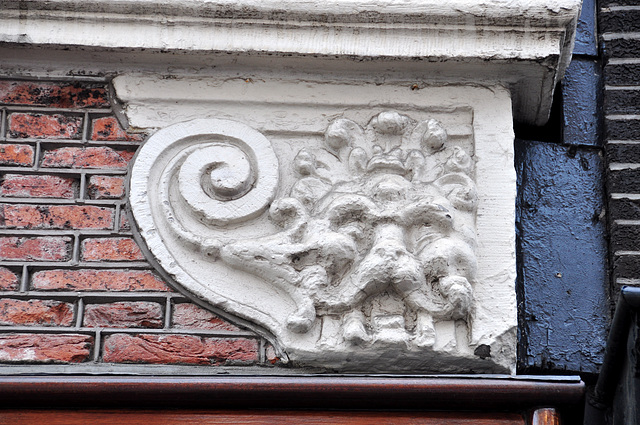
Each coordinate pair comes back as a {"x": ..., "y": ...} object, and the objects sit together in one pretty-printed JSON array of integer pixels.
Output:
[
  {"x": 618, "y": 166},
  {"x": 620, "y": 88},
  {"x": 626, "y": 117},
  {"x": 630, "y": 196},
  {"x": 621, "y": 35},
  {"x": 627, "y": 222},
  {"x": 627, "y": 281},
  {"x": 624, "y": 61},
  {"x": 620, "y": 8}
]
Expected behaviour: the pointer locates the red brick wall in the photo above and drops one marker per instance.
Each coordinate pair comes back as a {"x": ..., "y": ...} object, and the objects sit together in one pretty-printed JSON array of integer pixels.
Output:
[{"x": 74, "y": 286}]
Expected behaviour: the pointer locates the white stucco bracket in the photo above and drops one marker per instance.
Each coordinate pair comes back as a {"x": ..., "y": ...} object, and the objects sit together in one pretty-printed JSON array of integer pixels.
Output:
[{"x": 389, "y": 243}]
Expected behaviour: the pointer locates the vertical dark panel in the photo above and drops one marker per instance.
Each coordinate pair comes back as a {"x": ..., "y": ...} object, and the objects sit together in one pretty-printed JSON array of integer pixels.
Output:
[
  {"x": 625, "y": 402},
  {"x": 581, "y": 105},
  {"x": 563, "y": 277},
  {"x": 586, "y": 43}
]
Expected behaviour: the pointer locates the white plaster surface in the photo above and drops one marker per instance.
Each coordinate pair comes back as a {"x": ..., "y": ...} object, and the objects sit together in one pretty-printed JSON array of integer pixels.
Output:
[{"x": 397, "y": 258}]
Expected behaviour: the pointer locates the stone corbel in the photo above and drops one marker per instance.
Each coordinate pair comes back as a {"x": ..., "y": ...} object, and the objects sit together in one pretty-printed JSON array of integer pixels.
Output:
[{"x": 343, "y": 182}]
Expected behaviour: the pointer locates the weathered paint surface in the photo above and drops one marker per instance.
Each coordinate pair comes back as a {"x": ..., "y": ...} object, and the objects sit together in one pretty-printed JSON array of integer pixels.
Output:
[
  {"x": 586, "y": 43},
  {"x": 581, "y": 105},
  {"x": 564, "y": 305}
]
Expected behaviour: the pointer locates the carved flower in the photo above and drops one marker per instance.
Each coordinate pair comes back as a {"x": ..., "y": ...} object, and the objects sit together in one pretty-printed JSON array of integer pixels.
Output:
[
  {"x": 342, "y": 132},
  {"x": 459, "y": 161},
  {"x": 434, "y": 136},
  {"x": 390, "y": 123}
]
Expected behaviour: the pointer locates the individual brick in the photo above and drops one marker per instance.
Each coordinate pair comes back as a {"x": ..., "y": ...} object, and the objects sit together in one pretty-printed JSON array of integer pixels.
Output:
[
  {"x": 35, "y": 312},
  {"x": 97, "y": 280},
  {"x": 20, "y": 155},
  {"x": 622, "y": 74},
  {"x": 622, "y": 101},
  {"x": 55, "y": 217},
  {"x": 125, "y": 226},
  {"x": 190, "y": 316},
  {"x": 625, "y": 237},
  {"x": 8, "y": 280},
  {"x": 111, "y": 249},
  {"x": 44, "y": 348},
  {"x": 623, "y": 152},
  {"x": 179, "y": 349},
  {"x": 127, "y": 155},
  {"x": 626, "y": 266},
  {"x": 270, "y": 355},
  {"x": 624, "y": 181},
  {"x": 106, "y": 187},
  {"x": 607, "y": 3},
  {"x": 45, "y": 248},
  {"x": 619, "y": 21},
  {"x": 109, "y": 129},
  {"x": 624, "y": 209},
  {"x": 622, "y": 48},
  {"x": 38, "y": 186},
  {"x": 622, "y": 129},
  {"x": 137, "y": 314},
  {"x": 54, "y": 95},
  {"x": 40, "y": 126},
  {"x": 94, "y": 157}
]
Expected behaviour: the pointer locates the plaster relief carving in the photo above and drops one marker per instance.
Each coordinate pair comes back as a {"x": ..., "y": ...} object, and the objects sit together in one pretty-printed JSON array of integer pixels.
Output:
[
  {"x": 366, "y": 252},
  {"x": 389, "y": 216}
]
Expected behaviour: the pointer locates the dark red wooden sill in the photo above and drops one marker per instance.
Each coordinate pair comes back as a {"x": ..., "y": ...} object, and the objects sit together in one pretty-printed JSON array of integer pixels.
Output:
[
  {"x": 286, "y": 392},
  {"x": 263, "y": 417}
]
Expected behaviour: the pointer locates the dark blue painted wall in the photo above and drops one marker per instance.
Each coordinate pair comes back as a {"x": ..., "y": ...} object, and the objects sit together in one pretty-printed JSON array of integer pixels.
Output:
[
  {"x": 586, "y": 36},
  {"x": 563, "y": 275},
  {"x": 581, "y": 103},
  {"x": 562, "y": 245}
]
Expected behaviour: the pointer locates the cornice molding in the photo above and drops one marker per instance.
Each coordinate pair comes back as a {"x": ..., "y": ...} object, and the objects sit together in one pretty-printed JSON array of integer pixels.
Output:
[
  {"x": 518, "y": 30},
  {"x": 531, "y": 40}
]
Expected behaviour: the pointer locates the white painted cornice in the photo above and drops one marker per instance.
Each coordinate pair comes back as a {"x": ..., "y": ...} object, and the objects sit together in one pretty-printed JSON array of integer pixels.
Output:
[{"x": 508, "y": 33}]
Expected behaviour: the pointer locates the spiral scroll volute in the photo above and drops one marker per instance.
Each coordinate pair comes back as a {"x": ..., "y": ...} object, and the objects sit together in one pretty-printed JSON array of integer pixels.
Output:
[{"x": 211, "y": 171}]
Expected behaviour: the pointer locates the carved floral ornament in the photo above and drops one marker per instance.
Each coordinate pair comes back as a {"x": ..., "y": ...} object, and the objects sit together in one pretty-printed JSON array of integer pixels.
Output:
[{"x": 364, "y": 259}]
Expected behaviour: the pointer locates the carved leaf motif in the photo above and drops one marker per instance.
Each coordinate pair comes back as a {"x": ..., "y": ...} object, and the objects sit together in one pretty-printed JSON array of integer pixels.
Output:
[{"x": 367, "y": 236}]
